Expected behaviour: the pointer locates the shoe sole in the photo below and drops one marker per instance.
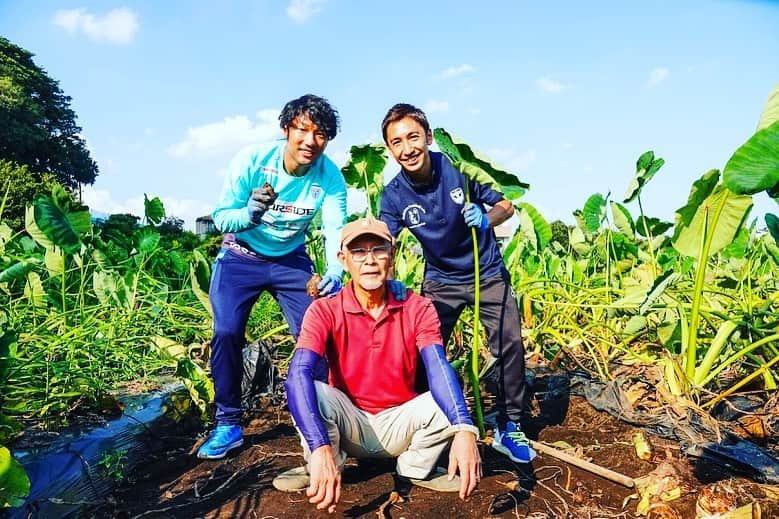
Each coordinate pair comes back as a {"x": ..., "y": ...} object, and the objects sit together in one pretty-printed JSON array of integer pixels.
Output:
[
  {"x": 503, "y": 450},
  {"x": 283, "y": 488},
  {"x": 448, "y": 486},
  {"x": 230, "y": 447}
]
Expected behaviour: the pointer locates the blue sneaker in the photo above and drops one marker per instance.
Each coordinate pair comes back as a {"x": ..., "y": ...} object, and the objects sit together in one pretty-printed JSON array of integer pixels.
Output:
[
  {"x": 513, "y": 443},
  {"x": 223, "y": 439}
]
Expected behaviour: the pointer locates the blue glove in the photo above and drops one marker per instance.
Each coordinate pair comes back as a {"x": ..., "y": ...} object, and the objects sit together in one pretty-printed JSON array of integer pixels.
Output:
[
  {"x": 397, "y": 288},
  {"x": 258, "y": 203},
  {"x": 329, "y": 286},
  {"x": 474, "y": 217}
]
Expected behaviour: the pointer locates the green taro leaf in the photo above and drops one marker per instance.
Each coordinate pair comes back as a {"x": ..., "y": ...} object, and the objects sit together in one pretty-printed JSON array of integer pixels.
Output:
[
  {"x": 148, "y": 240},
  {"x": 655, "y": 225},
  {"x": 578, "y": 241},
  {"x": 33, "y": 290},
  {"x": 543, "y": 231},
  {"x": 772, "y": 222},
  {"x": 18, "y": 270},
  {"x": 62, "y": 229},
  {"x": 153, "y": 209},
  {"x": 479, "y": 168},
  {"x": 594, "y": 212},
  {"x": 721, "y": 215},
  {"x": 33, "y": 230},
  {"x": 200, "y": 279},
  {"x": 646, "y": 167},
  {"x": 738, "y": 248},
  {"x": 623, "y": 220},
  {"x": 197, "y": 382},
  {"x": 635, "y": 325},
  {"x": 579, "y": 216},
  {"x": 700, "y": 190},
  {"x": 771, "y": 111},
  {"x": 111, "y": 289},
  {"x": 754, "y": 167},
  {"x": 14, "y": 483},
  {"x": 53, "y": 258},
  {"x": 364, "y": 171},
  {"x": 669, "y": 278}
]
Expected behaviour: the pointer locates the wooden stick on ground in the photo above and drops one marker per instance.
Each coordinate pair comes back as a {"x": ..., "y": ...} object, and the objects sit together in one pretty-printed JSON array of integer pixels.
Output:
[{"x": 609, "y": 474}]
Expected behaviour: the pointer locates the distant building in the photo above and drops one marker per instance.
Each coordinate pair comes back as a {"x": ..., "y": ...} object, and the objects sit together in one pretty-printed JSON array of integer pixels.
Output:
[
  {"x": 204, "y": 225},
  {"x": 503, "y": 234}
]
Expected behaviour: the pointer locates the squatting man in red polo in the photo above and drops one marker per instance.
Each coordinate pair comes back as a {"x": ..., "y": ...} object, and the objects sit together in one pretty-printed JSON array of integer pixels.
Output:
[{"x": 350, "y": 384}]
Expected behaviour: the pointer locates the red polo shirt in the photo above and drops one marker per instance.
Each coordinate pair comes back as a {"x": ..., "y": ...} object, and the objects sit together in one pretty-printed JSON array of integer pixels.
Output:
[{"x": 373, "y": 361}]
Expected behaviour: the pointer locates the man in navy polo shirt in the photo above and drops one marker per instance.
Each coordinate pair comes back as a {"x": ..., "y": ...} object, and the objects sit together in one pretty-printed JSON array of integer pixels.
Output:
[{"x": 428, "y": 197}]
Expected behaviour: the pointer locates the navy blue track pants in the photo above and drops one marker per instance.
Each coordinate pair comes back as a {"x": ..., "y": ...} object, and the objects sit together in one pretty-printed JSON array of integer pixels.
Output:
[{"x": 236, "y": 284}]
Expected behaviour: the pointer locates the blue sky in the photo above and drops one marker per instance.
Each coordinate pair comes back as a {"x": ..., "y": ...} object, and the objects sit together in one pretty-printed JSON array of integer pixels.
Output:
[{"x": 566, "y": 95}]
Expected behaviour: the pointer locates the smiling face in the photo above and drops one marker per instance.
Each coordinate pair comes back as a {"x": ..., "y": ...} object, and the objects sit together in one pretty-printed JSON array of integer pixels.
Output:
[
  {"x": 408, "y": 142},
  {"x": 370, "y": 273},
  {"x": 306, "y": 142}
]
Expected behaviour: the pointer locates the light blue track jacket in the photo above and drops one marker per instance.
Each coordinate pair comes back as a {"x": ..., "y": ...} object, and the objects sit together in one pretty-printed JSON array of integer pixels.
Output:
[{"x": 283, "y": 226}]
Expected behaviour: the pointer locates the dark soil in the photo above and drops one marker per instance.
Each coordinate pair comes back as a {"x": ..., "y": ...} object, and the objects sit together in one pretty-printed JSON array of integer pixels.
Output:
[{"x": 177, "y": 484}]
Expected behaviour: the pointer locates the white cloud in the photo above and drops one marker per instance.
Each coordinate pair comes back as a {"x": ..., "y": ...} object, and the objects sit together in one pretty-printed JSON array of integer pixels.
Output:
[
  {"x": 550, "y": 85},
  {"x": 228, "y": 135},
  {"x": 657, "y": 76},
  {"x": 117, "y": 26},
  {"x": 301, "y": 10},
  {"x": 435, "y": 105},
  {"x": 102, "y": 201},
  {"x": 454, "y": 71}
]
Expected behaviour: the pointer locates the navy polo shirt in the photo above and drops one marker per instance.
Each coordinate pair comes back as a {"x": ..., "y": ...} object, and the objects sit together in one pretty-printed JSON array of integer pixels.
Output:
[{"x": 433, "y": 214}]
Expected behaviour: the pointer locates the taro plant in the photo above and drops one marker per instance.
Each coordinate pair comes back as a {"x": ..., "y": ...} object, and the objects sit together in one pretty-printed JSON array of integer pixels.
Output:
[
  {"x": 364, "y": 171},
  {"x": 477, "y": 168}
]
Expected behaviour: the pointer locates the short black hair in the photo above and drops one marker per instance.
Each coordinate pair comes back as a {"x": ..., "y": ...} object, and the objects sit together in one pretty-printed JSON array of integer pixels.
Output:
[
  {"x": 318, "y": 109},
  {"x": 401, "y": 110}
]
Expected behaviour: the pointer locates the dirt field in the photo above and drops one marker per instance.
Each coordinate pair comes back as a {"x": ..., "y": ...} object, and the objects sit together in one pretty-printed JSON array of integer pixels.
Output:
[{"x": 177, "y": 484}]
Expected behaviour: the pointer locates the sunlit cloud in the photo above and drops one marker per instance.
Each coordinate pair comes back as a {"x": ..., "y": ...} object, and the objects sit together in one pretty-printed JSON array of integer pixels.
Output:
[
  {"x": 657, "y": 76},
  {"x": 454, "y": 71},
  {"x": 550, "y": 85},
  {"x": 102, "y": 201},
  {"x": 118, "y": 26},
  {"x": 228, "y": 135},
  {"x": 301, "y": 10}
]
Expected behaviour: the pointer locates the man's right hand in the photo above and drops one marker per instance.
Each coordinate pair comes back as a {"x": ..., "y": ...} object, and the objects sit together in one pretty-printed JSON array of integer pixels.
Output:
[
  {"x": 464, "y": 457},
  {"x": 324, "y": 490},
  {"x": 261, "y": 199}
]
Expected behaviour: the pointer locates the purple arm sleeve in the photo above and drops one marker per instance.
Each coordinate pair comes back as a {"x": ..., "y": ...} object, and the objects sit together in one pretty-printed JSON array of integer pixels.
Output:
[
  {"x": 446, "y": 391},
  {"x": 306, "y": 367}
]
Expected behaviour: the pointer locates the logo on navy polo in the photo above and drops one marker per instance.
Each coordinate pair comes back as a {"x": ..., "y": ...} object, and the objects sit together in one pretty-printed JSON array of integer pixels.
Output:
[
  {"x": 316, "y": 192},
  {"x": 457, "y": 195},
  {"x": 412, "y": 215}
]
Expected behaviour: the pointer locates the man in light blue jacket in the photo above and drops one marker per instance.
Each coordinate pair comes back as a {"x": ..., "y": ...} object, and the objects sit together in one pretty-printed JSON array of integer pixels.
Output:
[{"x": 271, "y": 193}]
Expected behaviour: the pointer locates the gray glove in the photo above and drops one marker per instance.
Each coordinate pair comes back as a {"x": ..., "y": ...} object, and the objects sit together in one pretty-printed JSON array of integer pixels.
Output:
[{"x": 262, "y": 198}]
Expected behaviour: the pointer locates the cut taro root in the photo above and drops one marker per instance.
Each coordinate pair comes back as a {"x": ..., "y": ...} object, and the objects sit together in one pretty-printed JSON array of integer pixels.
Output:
[{"x": 311, "y": 286}]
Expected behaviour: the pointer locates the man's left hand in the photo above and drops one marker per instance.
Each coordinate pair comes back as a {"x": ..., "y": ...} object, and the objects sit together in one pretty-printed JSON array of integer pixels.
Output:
[
  {"x": 329, "y": 286},
  {"x": 464, "y": 455},
  {"x": 474, "y": 217}
]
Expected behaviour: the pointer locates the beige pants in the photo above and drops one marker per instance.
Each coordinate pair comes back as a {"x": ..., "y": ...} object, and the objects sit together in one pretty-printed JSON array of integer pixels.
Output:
[{"x": 415, "y": 432}]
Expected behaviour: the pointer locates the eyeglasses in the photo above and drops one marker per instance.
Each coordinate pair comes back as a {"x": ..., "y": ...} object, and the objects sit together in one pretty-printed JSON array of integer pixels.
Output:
[{"x": 379, "y": 252}]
